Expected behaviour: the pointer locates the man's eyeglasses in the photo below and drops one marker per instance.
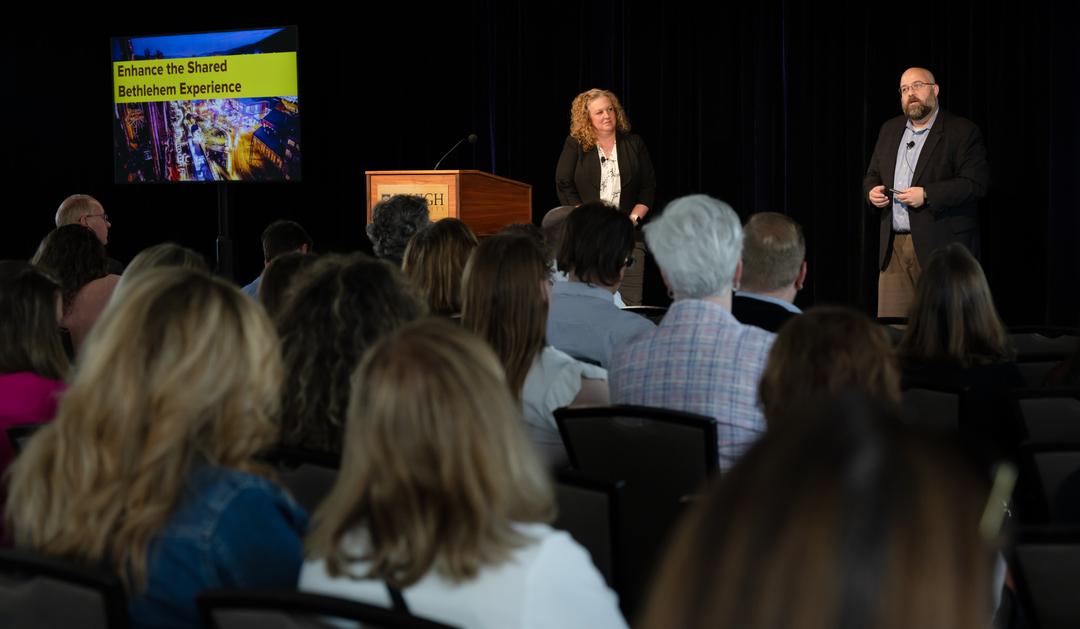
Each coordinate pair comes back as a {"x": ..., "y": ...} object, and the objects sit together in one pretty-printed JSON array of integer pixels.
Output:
[
  {"x": 917, "y": 85},
  {"x": 103, "y": 216},
  {"x": 629, "y": 263}
]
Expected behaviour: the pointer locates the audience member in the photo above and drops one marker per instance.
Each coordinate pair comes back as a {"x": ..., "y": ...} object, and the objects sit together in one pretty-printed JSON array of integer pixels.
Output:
[
  {"x": 166, "y": 254},
  {"x": 32, "y": 360},
  {"x": 393, "y": 223},
  {"x": 507, "y": 287},
  {"x": 340, "y": 305},
  {"x": 73, "y": 255},
  {"x": 440, "y": 498},
  {"x": 954, "y": 337},
  {"x": 85, "y": 210},
  {"x": 435, "y": 263},
  {"x": 822, "y": 353},
  {"x": 595, "y": 251},
  {"x": 279, "y": 237},
  {"x": 148, "y": 467},
  {"x": 278, "y": 280},
  {"x": 700, "y": 359},
  {"x": 848, "y": 519},
  {"x": 774, "y": 270}
]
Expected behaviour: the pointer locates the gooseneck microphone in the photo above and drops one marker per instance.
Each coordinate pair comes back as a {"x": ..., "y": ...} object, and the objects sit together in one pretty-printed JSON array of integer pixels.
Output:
[
  {"x": 472, "y": 140},
  {"x": 910, "y": 145}
]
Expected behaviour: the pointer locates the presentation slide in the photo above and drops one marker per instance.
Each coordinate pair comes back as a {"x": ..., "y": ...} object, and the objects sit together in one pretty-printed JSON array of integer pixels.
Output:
[{"x": 219, "y": 106}]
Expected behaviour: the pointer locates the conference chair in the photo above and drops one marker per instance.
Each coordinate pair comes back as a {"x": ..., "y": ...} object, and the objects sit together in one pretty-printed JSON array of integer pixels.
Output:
[
  {"x": 40, "y": 592},
  {"x": 290, "y": 609}
]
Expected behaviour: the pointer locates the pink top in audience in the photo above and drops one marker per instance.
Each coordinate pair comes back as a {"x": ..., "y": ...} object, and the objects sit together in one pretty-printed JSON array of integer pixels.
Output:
[
  {"x": 87, "y": 306},
  {"x": 25, "y": 398}
]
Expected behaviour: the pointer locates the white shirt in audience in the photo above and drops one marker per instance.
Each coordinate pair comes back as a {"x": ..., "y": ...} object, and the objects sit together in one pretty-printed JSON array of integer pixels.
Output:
[
  {"x": 550, "y": 583},
  {"x": 553, "y": 381}
]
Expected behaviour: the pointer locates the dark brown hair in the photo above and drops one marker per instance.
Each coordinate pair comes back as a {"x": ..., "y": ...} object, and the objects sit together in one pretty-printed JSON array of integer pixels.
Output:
[
  {"x": 822, "y": 352},
  {"x": 74, "y": 256},
  {"x": 596, "y": 241},
  {"x": 953, "y": 319},
  {"x": 29, "y": 335},
  {"x": 435, "y": 263},
  {"x": 505, "y": 303}
]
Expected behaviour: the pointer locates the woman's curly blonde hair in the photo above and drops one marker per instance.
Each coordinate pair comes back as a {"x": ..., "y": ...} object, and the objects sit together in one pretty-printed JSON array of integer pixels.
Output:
[{"x": 581, "y": 128}]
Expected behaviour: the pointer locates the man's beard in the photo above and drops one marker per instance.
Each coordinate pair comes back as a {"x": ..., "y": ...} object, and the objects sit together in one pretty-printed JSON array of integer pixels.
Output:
[{"x": 917, "y": 110}]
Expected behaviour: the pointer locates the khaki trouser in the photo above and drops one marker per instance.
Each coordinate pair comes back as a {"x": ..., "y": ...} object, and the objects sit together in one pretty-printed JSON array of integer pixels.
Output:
[{"x": 896, "y": 284}]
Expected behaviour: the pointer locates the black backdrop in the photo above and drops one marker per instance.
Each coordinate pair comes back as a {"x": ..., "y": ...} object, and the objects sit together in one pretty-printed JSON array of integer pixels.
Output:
[{"x": 775, "y": 106}]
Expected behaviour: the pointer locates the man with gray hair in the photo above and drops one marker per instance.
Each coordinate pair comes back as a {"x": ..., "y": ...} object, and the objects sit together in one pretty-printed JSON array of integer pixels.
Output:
[
  {"x": 87, "y": 211},
  {"x": 774, "y": 270},
  {"x": 700, "y": 359}
]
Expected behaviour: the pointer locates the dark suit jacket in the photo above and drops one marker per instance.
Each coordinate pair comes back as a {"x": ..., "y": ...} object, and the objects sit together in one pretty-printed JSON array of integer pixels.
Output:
[
  {"x": 759, "y": 313},
  {"x": 952, "y": 169},
  {"x": 577, "y": 176}
]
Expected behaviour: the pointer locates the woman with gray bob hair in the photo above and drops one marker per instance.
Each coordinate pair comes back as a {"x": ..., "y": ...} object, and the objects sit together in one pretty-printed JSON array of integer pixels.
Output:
[{"x": 697, "y": 242}]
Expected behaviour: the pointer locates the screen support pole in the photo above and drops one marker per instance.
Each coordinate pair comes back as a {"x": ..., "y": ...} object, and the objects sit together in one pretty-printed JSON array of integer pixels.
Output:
[{"x": 224, "y": 249}]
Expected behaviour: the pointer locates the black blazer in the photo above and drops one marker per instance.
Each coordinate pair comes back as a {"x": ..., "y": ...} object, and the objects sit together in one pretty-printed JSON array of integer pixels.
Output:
[
  {"x": 952, "y": 169},
  {"x": 762, "y": 314},
  {"x": 577, "y": 176}
]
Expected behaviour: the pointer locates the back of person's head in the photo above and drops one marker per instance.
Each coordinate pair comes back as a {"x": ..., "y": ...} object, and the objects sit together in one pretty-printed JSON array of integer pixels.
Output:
[
  {"x": 183, "y": 369},
  {"x": 597, "y": 240},
  {"x": 284, "y": 236},
  {"x": 278, "y": 280},
  {"x": 821, "y": 353},
  {"x": 505, "y": 301},
  {"x": 74, "y": 256},
  {"x": 393, "y": 223},
  {"x": 435, "y": 262},
  {"x": 29, "y": 336},
  {"x": 773, "y": 252},
  {"x": 552, "y": 226},
  {"x": 697, "y": 242},
  {"x": 75, "y": 207},
  {"x": 953, "y": 319},
  {"x": 436, "y": 466},
  {"x": 848, "y": 519},
  {"x": 339, "y": 306},
  {"x": 166, "y": 254}
]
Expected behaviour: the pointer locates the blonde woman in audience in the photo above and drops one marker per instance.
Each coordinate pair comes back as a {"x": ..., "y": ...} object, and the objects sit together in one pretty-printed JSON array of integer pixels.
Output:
[
  {"x": 435, "y": 262},
  {"x": 844, "y": 519},
  {"x": 148, "y": 467},
  {"x": 441, "y": 499},
  {"x": 166, "y": 254},
  {"x": 827, "y": 350},
  {"x": 74, "y": 255},
  {"x": 339, "y": 307},
  {"x": 507, "y": 290}
]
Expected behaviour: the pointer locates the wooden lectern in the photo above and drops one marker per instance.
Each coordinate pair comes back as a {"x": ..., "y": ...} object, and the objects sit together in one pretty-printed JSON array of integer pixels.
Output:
[{"x": 485, "y": 202}]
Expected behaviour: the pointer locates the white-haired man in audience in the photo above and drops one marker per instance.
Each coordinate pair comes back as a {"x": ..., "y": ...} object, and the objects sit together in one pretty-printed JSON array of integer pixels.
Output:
[
  {"x": 85, "y": 210},
  {"x": 700, "y": 359},
  {"x": 774, "y": 270}
]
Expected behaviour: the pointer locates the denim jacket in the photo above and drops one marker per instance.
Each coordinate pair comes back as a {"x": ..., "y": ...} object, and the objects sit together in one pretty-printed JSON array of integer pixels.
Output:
[{"x": 230, "y": 529}]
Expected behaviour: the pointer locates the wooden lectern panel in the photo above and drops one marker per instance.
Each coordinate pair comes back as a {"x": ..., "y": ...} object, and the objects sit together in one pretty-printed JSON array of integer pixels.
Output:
[{"x": 485, "y": 202}]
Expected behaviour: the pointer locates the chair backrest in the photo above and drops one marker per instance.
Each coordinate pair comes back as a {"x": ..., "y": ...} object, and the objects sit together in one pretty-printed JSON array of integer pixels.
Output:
[
  {"x": 1045, "y": 564},
  {"x": 1049, "y": 415},
  {"x": 19, "y": 434},
  {"x": 289, "y": 609},
  {"x": 652, "y": 313},
  {"x": 938, "y": 407},
  {"x": 663, "y": 456},
  {"x": 1046, "y": 343},
  {"x": 1034, "y": 372},
  {"x": 45, "y": 593},
  {"x": 589, "y": 512},
  {"x": 307, "y": 474},
  {"x": 1050, "y": 465}
]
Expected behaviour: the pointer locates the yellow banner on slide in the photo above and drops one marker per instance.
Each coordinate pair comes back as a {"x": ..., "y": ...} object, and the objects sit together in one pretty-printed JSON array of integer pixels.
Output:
[{"x": 200, "y": 78}]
